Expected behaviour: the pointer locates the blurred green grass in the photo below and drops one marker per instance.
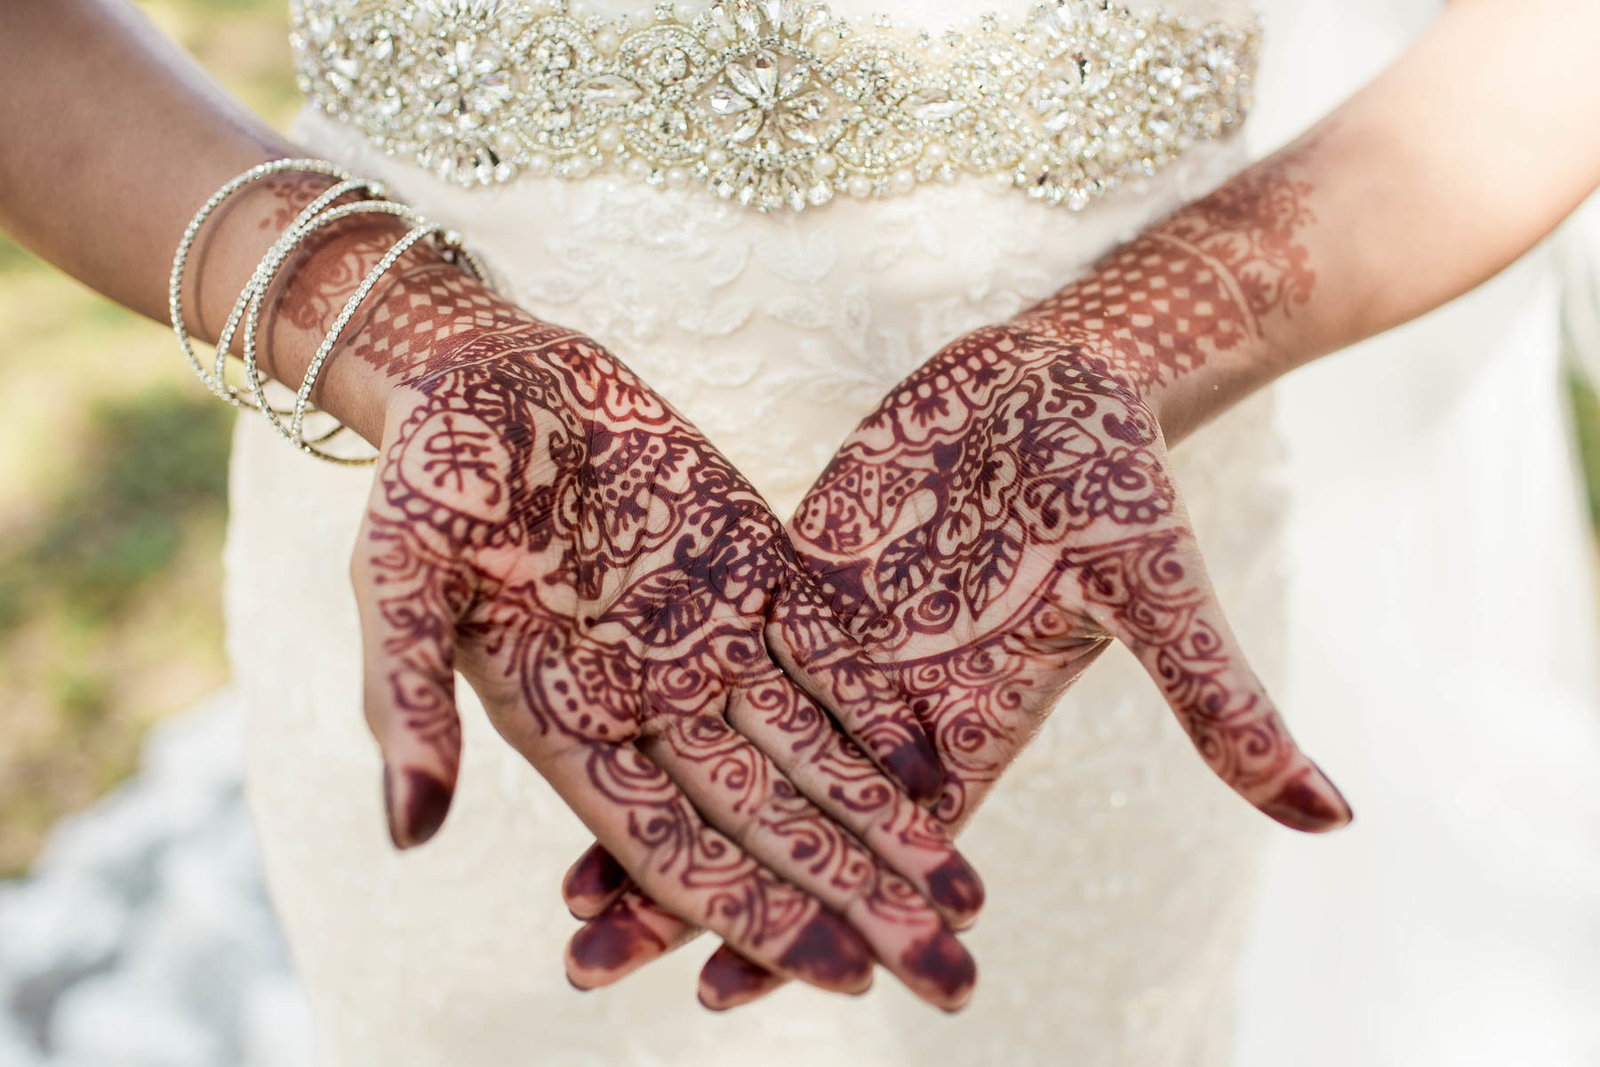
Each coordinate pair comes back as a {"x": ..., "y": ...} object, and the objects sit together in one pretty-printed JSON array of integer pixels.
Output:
[
  {"x": 112, "y": 496},
  {"x": 1586, "y": 419},
  {"x": 112, "y": 475}
]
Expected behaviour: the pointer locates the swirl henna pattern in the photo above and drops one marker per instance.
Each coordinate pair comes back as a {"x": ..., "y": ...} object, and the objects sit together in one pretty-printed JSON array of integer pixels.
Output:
[
  {"x": 639, "y": 627},
  {"x": 1007, "y": 512}
]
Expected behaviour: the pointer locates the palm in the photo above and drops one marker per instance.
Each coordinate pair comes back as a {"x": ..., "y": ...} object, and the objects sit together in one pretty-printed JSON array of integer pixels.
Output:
[
  {"x": 989, "y": 530},
  {"x": 1001, "y": 518},
  {"x": 943, "y": 528},
  {"x": 640, "y": 629}
]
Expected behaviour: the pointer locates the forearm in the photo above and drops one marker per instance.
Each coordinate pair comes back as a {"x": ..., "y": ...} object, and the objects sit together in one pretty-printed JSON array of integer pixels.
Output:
[
  {"x": 111, "y": 137},
  {"x": 1438, "y": 174}
]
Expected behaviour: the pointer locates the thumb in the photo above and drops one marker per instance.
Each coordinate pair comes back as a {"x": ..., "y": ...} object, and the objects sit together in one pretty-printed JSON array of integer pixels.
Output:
[
  {"x": 1152, "y": 593},
  {"x": 408, "y": 633}
]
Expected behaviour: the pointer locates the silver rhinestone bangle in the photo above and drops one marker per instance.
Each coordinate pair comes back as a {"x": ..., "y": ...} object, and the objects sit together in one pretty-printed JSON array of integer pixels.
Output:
[
  {"x": 180, "y": 259},
  {"x": 778, "y": 104},
  {"x": 245, "y": 315},
  {"x": 287, "y": 240}
]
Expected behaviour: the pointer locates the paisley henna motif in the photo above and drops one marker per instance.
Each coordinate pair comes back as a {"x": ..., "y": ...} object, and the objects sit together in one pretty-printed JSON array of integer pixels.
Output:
[
  {"x": 1006, "y": 513},
  {"x": 640, "y": 628}
]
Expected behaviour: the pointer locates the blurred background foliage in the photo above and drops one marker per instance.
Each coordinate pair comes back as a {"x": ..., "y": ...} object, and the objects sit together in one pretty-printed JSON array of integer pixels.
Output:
[
  {"x": 1586, "y": 411},
  {"x": 112, "y": 496}
]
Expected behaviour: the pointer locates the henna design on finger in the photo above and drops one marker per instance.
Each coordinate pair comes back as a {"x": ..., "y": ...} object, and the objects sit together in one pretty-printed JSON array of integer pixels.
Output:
[
  {"x": 729, "y": 980},
  {"x": 593, "y": 883},
  {"x": 615, "y": 944},
  {"x": 609, "y": 583},
  {"x": 1006, "y": 513}
]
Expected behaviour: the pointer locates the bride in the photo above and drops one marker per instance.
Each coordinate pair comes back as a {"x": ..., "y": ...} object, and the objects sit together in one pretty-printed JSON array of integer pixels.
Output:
[{"x": 1007, "y": 261}]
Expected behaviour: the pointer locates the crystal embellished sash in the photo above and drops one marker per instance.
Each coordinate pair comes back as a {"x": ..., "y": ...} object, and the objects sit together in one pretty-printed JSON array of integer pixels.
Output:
[{"x": 776, "y": 103}]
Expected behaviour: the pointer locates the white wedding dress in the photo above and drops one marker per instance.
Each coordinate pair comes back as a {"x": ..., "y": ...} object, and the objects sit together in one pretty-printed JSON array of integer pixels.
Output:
[{"x": 1120, "y": 872}]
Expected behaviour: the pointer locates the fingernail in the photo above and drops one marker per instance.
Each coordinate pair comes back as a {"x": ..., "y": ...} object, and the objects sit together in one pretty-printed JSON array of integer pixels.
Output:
[
  {"x": 417, "y": 814},
  {"x": 612, "y": 945},
  {"x": 916, "y": 765},
  {"x": 829, "y": 954},
  {"x": 729, "y": 980},
  {"x": 595, "y": 878},
  {"x": 945, "y": 965},
  {"x": 1310, "y": 803},
  {"x": 956, "y": 887}
]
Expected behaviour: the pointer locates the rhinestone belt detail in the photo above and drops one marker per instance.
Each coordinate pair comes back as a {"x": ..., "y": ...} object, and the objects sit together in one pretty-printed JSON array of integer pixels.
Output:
[{"x": 776, "y": 103}]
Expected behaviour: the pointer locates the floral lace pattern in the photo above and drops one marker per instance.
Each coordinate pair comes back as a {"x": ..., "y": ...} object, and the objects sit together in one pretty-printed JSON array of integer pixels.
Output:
[{"x": 1111, "y": 932}]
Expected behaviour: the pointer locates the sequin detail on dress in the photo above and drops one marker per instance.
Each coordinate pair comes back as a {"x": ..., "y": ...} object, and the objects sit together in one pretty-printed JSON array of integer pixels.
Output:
[{"x": 777, "y": 104}]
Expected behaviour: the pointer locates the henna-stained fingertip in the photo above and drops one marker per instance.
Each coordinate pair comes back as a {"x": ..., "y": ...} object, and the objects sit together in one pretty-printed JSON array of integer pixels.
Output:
[
  {"x": 416, "y": 814},
  {"x": 829, "y": 954},
  {"x": 729, "y": 980}
]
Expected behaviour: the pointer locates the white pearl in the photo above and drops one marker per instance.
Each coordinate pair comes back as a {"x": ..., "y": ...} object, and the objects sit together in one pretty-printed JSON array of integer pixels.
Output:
[
  {"x": 859, "y": 186},
  {"x": 677, "y": 177},
  {"x": 637, "y": 169},
  {"x": 1033, "y": 160},
  {"x": 824, "y": 164},
  {"x": 934, "y": 152},
  {"x": 606, "y": 41},
  {"x": 715, "y": 41},
  {"x": 716, "y": 158},
  {"x": 609, "y": 138},
  {"x": 1001, "y": 181},
  {"x": 902, "y": 181},
  {"x": 539, "y": 164},
  {"x": 578, "y": 168},
  {"x": 827, "y": 43}
]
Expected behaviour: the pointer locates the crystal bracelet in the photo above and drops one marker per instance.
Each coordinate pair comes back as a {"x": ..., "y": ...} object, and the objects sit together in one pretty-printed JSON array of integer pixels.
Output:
[
  {"x": 268, "y": 271},
  {"x": 180, "y": 259},
  {"x": 287, "y": 239},
  {"x": 246, "y": 311}
]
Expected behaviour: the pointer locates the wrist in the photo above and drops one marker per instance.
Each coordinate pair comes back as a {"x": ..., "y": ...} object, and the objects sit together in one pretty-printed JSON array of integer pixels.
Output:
[
  {"x": 1183, "y": 402},
  {"x": 305, "y": 304},
  {"x": 1206, "y": 305},
  {"x": 233, "y": 241},
  {"x": 310, "y": 288}
]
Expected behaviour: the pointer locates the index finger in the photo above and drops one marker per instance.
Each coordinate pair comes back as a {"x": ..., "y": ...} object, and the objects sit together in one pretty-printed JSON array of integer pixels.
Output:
[{"x": 1151, "y": 592}]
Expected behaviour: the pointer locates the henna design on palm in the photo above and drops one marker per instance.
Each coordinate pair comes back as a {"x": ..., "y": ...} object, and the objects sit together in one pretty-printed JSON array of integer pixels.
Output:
[
  {"x": 637, "y": 625},
  {"x": 1006, "y": 513},
  {"x": 640, "y": 629}
]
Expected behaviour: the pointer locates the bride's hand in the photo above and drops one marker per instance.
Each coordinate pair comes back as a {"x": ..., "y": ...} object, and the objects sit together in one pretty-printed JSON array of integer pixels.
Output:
[
  {"x": 640, "y": 629},
  {"x": 1004, "y": 515}
]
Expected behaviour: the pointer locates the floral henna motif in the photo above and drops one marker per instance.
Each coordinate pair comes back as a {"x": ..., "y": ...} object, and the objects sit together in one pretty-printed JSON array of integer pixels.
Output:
[
  {"x": 1029, "y": 521},
  {"x": 637, "y": 624},
  {"x": 1006, "y": 513},
  {"x": 639, "y": 627}
]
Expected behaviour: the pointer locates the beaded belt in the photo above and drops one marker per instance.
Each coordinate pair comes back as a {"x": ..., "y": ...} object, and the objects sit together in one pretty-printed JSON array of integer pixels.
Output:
[{"x": 776, "y": 103}]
